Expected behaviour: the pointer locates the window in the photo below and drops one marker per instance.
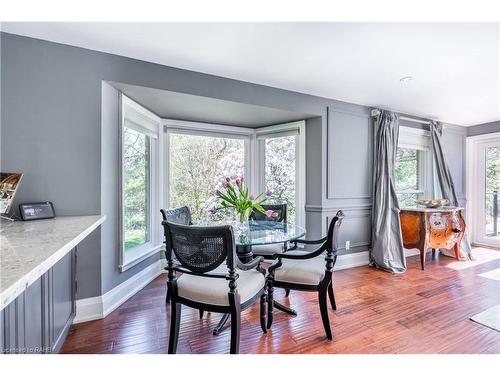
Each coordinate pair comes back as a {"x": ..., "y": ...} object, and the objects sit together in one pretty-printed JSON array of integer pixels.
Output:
[
  {"x": 407, "y": 176},
  {"x": 200, "y": 156},
  {"x": 136, "y": 188},
  {"x": 282, "y": 167},
  {"x": 198, "y": 163},
  {"x": 413, "y": 167},
  {"x": 279, "y": 173},
  {"x": 140, "y": 194}
]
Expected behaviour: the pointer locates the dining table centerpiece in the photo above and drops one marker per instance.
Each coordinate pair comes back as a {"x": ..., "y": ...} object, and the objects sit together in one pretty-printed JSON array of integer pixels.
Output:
[{"x": 235, "y": 195}]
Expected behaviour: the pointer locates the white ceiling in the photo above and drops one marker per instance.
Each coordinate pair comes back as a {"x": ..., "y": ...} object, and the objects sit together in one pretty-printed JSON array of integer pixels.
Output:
[{"x": 455, "y": 67}]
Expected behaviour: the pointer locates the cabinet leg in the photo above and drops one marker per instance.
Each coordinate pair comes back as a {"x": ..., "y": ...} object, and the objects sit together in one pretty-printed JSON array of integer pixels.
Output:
[
  {"x": 456, "y": 248},
  {"x": 422, "y": 259}
]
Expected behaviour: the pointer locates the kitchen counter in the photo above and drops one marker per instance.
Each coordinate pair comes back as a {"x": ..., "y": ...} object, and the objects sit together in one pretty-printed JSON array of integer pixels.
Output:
[{"x": 28, "y": 249}]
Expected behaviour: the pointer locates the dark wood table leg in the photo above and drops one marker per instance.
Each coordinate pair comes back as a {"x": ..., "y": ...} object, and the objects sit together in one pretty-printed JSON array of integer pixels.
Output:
[
  {"x": 284, "y": 308},
  {"x": 220, "y": 326}
]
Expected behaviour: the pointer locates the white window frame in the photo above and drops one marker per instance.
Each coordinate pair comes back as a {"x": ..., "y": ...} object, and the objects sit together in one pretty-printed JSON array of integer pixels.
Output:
[
  {"x": 475, "y": 179},
  {"x": 254, "y": 172},
  {"x": 209, "y": 130},
  {"x": 138, "y": 118},
  {"x": 419, "y": 139},
  {"x": 293, "y": 128}
]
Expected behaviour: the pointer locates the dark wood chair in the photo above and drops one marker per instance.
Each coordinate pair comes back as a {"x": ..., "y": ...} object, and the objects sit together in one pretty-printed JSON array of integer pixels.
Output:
[
  {"x": 307, "y": 271},
  {"x": 206, "y": 256},
  {"x": 267, "y": 251},
  {"x": 180, "y": 215}
]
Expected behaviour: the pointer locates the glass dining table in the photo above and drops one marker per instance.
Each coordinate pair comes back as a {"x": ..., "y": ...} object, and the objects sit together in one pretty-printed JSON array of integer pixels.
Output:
[
  {"x": 260, "y": 233},
  {"x": 263, "y": 233}
]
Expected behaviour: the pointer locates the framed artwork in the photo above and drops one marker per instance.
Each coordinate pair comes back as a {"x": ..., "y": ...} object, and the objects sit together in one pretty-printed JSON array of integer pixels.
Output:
[{"x": 9, "y": 183}]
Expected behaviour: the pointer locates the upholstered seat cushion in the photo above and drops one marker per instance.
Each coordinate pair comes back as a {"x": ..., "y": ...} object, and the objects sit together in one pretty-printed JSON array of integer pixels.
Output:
[
  {"x": 301, "y": 271},
  {"x": 270, "y": 249},
  {"x": 213, "y": 291}
]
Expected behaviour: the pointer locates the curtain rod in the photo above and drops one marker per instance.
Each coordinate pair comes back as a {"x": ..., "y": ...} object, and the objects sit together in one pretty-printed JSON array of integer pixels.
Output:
[{"x": 376, "y": 112}]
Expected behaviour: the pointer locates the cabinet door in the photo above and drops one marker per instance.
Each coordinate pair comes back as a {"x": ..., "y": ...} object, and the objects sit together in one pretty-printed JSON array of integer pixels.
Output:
[
  {"x": 34, "y": 317},
  {"x": 62, "y": 301}
]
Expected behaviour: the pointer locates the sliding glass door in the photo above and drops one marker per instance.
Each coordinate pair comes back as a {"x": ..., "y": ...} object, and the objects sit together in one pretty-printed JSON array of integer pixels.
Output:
[
  {"x": 485, "y": 189},
  {"x": 491, "y": 191}
]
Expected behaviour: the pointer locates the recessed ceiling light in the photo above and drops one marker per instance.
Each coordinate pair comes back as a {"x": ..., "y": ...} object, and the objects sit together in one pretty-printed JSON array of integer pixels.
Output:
[{"x": 406, "y": 79}]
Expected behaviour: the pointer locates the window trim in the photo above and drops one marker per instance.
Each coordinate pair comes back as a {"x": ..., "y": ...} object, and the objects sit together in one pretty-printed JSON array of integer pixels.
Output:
[{"x": 138, "y": 118}]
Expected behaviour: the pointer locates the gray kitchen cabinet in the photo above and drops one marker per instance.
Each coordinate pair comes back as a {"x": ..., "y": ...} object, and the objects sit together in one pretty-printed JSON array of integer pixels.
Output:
[{"x": 38, "y": 320}]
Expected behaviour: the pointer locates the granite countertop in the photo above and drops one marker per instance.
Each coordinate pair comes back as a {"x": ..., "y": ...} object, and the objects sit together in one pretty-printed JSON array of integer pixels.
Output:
[
  {"x": 437, "y": 209},
  {"x": 28, "y": 249}
]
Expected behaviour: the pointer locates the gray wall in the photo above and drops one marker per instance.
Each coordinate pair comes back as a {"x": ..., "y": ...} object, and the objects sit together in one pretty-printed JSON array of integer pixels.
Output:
[
  {"x": 54, "y": 131},
  {"x": 490, "y": 127}
]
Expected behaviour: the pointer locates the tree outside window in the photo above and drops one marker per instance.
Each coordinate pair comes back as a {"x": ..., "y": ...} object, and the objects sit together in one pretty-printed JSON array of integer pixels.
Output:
[
  {"x": 198, "y": 165},
  {"x": 136, "y": 187}
]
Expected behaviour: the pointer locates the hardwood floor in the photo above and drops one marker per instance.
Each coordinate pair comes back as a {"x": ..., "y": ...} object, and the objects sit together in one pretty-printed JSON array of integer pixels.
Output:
[{"x": 378, "y": 312}]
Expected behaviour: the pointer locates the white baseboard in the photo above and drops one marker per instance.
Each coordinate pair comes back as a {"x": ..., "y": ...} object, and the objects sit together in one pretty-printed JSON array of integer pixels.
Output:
[
  {"x": 352, "y": 260},
  {"x": 99, "y": 307},
  {"x": 362, "y": 259}
]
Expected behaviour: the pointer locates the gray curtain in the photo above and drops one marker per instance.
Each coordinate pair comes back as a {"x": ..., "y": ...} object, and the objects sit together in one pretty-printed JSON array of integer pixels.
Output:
[
  {"x": 387, "y": 244},
  {"x": 444, "y": 177}
]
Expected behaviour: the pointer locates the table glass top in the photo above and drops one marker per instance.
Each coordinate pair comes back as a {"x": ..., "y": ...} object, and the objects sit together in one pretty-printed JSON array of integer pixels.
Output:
[{"x": 264, "y": 232}]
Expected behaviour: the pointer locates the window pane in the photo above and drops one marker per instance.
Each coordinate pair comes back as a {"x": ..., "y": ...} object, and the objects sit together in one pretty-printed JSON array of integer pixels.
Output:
[
  {"x": 492, "y": 190},
  {"x": 198, "y": 165},
  {"x": 407, "y": 199},
  {"x": 406, "y": 169},
  {"x": 280, "y": 172},
  {"x": 136, "y": 188}
]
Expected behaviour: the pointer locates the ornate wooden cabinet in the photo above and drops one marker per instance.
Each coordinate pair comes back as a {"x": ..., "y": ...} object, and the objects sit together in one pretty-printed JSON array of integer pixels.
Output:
[{"x": 432, "y": 228}]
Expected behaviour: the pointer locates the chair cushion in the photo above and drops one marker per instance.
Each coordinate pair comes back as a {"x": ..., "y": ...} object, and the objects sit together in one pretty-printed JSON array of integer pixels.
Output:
[
  {"x": 274, "y": 248},
  {"x": 214, "y": 291},
  {"x": 301, "y": 271}
]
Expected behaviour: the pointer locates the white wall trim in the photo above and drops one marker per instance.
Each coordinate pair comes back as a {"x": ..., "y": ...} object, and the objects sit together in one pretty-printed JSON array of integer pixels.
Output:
[
  {"x": 99, "y": 307},
  {"x": 206, "y": 127}
]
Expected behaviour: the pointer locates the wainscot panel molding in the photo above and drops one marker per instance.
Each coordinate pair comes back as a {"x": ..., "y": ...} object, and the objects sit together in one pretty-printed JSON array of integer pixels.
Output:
[
  {"x": 336, "y": 207},
  {"x": 101, "y": 306},
  {"x": 349, "y": 154},
  {"x": 356, "y": 228}
]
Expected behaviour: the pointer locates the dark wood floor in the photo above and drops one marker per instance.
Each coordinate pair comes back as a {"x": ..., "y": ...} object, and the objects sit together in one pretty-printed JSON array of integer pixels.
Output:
[{"x": 378, "y": 312}]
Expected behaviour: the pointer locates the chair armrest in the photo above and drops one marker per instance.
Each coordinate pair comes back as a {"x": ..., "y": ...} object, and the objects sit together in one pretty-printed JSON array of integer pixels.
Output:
[
  {"x": 312, "y": 254},
  {"x": 250, "y": 265},
  {"x": 310, "y": 242},
  {"x": 211, "y": 275}
]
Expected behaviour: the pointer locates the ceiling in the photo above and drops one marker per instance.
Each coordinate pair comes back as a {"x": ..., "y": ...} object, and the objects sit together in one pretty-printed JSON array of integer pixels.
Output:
[
  {"x": 179, "y": 106},
  {"x": 455, "y": 67}
]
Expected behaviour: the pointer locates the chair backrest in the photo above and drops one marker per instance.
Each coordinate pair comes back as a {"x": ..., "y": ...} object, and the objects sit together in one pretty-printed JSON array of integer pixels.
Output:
[
  {"x": 280, "y": 209},
  {"x": 181, "y": 215},
  {"x": 200, "y": 249},
  {"x": 333, "y": 232}
]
